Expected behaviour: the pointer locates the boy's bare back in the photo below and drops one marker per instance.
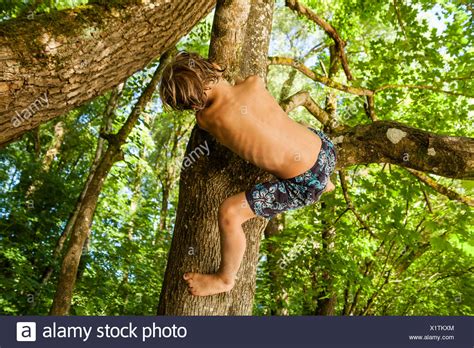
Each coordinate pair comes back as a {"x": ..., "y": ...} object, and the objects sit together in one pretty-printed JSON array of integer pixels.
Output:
[{"x": 248, "y": 120}]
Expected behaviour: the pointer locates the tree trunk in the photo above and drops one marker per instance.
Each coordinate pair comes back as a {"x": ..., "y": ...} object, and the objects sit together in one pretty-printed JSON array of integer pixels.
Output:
[
  {"x": 106, "y": 128},
  {"x": 67, "y": 276},
  {"x": 55, "y": 62},
  {"x": 167, "y": 179},
  {"x": 275, "y": 271},
  {"x": 48, "y": 158},
  {"x": 326, "y": 297},
  {"x": 240, "y": 39},
  {"x": 80, "y": 230},
  {"x": 130, "y": 227}
]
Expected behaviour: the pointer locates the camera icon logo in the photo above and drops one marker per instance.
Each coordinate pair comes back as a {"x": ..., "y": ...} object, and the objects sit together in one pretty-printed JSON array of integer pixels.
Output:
[{"x": 26, "y": 331}]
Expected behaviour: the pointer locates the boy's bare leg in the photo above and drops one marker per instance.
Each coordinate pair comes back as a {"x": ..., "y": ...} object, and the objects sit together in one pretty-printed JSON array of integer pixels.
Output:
[{"x": 233, "y": 212}]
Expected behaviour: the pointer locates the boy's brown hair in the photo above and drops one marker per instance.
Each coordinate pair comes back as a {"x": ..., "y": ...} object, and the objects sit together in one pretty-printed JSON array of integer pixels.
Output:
[{"x": 185, "y": 79}]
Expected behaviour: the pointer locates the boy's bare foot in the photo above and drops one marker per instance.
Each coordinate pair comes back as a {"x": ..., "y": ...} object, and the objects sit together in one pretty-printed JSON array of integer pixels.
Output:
[
  {"x": 329, "y": 187},
  {"x": 207, "y": 284}
]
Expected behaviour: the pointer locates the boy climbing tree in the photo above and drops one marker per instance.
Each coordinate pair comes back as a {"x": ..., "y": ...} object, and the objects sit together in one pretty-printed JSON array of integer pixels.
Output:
[{"x": 246, "y": 119}]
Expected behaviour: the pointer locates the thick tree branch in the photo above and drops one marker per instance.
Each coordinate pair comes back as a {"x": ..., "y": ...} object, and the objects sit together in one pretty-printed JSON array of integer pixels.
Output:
[
  {"x": 105, "y": 129},
  {"x": 303, "y": 98},
  {"x": 453, "y": 195},
  {"x": 328, "y": 28},
  {"x": 55, "y": 62},
  {"x": 393, "y": 142},
  {"x": 331, "y": 96}
]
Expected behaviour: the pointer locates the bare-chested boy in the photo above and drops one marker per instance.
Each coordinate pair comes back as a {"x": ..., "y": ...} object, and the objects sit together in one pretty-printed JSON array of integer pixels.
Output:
[{"x": 246, "y": 119}]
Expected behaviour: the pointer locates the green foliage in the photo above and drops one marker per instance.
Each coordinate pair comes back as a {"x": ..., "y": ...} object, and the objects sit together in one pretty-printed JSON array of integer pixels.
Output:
[
  {"x": 418, "y": 260},
  {"x": 29, "y": 8}
]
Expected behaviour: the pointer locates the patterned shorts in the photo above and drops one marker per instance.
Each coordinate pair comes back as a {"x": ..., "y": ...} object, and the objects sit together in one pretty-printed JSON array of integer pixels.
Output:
[{"x": 270, "y": 198}]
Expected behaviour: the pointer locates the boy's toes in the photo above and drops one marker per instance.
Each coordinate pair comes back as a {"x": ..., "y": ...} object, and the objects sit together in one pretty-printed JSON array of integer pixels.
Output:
[{"x": 189, "y": 278}]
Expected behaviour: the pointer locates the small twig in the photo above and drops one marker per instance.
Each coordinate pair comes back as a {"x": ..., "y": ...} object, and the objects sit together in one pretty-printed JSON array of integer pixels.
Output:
[
  {"x": 399, "y": 19},
  {"x": 328, "y": 28},
  {"x": 323, "y": 68},
  {"x": 350, "y": 205},
  {"x": 340, "y": 216},
  {"x": 431, "y": 88},
  {"x": 419, "y": 224},
  {"x": 319, "y": 78},
  {"x": 406, "y": 213},
  {"x": 440, "y": 188},
  {"x": 370, "y": 107},
  {"x": 427, "y": 199},
  {"x": 455, "y": 274},
  {"x": 318, "y": 47},
  {"x": 303, "y": 98}
]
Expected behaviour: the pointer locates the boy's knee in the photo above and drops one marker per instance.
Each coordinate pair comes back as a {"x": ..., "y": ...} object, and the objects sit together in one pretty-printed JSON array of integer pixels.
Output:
[{"x": 228, "y": 213}]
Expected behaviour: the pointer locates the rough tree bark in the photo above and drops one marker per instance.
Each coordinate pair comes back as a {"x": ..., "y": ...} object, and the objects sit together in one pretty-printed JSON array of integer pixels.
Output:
[
  {"x": 55, "y": 62},
  {"x": 393, "y": 142},
  {"x": 240, "y": 39}
]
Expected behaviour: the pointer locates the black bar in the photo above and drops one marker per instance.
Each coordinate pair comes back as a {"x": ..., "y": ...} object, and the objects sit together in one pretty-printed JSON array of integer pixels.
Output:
[{"x": 332, "y": 332}]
